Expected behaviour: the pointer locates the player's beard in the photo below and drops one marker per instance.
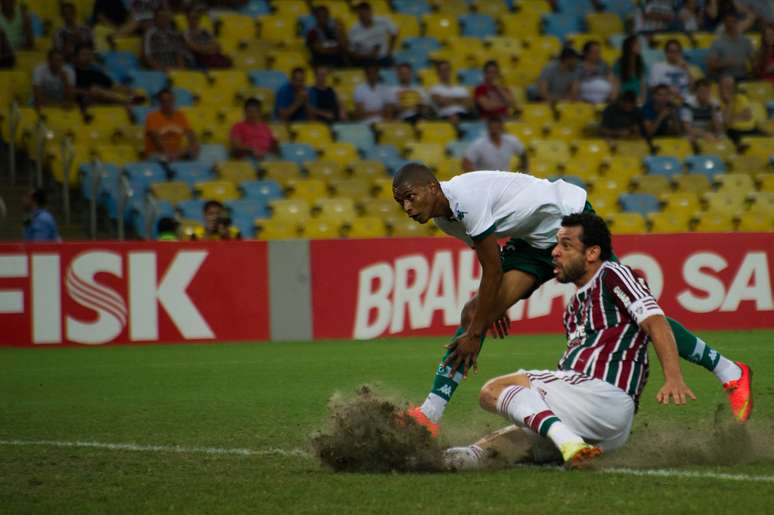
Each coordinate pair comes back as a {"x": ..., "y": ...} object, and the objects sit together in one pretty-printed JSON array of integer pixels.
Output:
[{"x": 570, "y": 272}]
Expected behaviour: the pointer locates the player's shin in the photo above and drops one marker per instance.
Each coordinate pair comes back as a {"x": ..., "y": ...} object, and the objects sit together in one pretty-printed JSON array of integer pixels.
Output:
[{"x": 694, "y": 349}]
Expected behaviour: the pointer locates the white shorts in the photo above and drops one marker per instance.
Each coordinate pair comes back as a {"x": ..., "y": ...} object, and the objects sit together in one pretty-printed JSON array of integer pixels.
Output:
[{"x": 597, "y": 411}]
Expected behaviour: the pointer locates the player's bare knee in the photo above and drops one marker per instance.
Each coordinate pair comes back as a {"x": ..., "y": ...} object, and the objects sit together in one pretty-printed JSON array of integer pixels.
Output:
[{"x": 491, "y": 391}]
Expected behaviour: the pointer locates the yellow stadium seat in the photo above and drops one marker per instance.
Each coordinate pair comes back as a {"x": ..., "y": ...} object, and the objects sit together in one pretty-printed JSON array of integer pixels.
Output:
[
  {"x": 368, "y": 169},
  {"x": 404, "y": 227},
  {"x": 703, "y": 39},
  {"x": 749, "y": 164},
  {"x": 348, "y": 77},
  {"x": 290, "y": 209},
  {"x": 519, "y": 25},
  {"x": 676, "y": 147},
  {"x": 525, "y": 131},
  {"x": 367, "y": 227},
  {"x": 586, "y": 169},
  {"x": 236, "y": 171},
  {"x": 325, "y": 170},
  {"x": 343, "y": 153},
  {"x": 758, "y": 91},
  {"x": 222, "y": 191},
  {"x": 280, "y": 171},
  {"x": 567, "y": 132},
  {"x": 316, "y": 134},
  {"x": 755, "y": 222},
  {"x": 627, "y": 223},
  {"x": 669, "y": 222},
  {"x": 117, "y": 154},
  {"x": 234, "y": 80},
  {"x": 201, "y": 118},
  {"x": 714, "y": 222},
  {"x": 622, "y": 166},
  {"x": 575, "y": 113},
  {"x": 340, "y": 209},
  {"x": 448, "y": 167},
  {"x": 550, "y": 149},
  {"x": 172, "y": 191},
  {"x": 578, "y": 40},
  {"x": 691, "y": 183},
  {"x": 604, "y": 24},
  {"x": 543, "y": 167},
  {"x": 428, "y": 153},
  {"x": 758, "y": 146},
  {"x": 194, "y": 81},
  {"x": 453, "y": 7},
  {"x": 280, "y": 132},
  {"x": 604, "y": 204},
  {"x": 292, "y": 8},
  {"x": 544, "y": 47},
  {"x": 394, "y": 133},
  {"x": 238, "y": 26},
  {"x": 287, "y": 60},
  {"x": 457, "y": 61},
  {"x": 537, "y": 114},
  {"x": 131, "y": 44},
  {"x": 636, "y": 148},
  {"x": 762, "y": 202},
  {"x": 321, "y": 229},
  {"x": 381, "y": 208},
  {"x": 734, "y": 182},
  {"x": 660, "y": 39},
  {"x": 505, "y": 44},
  {"x": 723, "y": 147},
  {"x": 592, "y": 148},
  {"x": 524, "y": 74},
  {"x": 245, "y": 60},
  {"x": 307, "y": 189},
  {"x": 652, "y": 184},
  {"x": 681, "y": 203},
  {"x": 436, "y": 132},
  {"x": 607, "y": 186},
  {"x": 408, "y": 23},
  {"x": 382, "y": 189},
  {"x": 765, "y": 181},
  {"x": 277, "y": 229},
  {"x": 441, "y": 26},
  {"x": 723, "y": 202},
  {"x": 355, "y": 189}
]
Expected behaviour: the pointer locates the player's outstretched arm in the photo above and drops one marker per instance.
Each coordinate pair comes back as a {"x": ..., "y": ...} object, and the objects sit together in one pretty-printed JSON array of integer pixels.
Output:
[{"x": 663, "y": 340}]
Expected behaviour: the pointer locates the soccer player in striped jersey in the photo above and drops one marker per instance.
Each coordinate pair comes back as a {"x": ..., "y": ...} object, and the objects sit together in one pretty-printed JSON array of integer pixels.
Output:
[
  {"x": 587, "y": 404},
  {"x": 480, "y": 207}
]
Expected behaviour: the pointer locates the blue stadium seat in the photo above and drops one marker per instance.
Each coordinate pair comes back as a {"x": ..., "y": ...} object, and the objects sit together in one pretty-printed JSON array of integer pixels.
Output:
[
  {"x": 470, "y": 77},
  {"x": 38, "y": 26},
  {"x": 415, "y": 7},
  {"x": 560, "y": 25},
  {"x": 244, "y": 212},
  {"x": 394, "y": 163},
  {"x": 706, "y": 165},
  {"x": 212, "y": 153},
  {"x": 416, "y": 58},
  {"x": 150, "y": 81},
  {"x": 642, "y": 203},
  {"x": 382, "y": 152},
  {"x": 297, "y": 152},
  {"x": 306, "y": 23},
  {"x": 256, "y": 8},
  {"x": 139, "y": 113},
  {"x": 623, "y": 8},
  {"x": 424, "y": 44},
  {"x": 119, "y": 64},
  {"x": 458, "y": 148},
  {"x": 262, "y": 191},
  {"x": 192, "y": 209},
  {"x": 272, "y": 79},
  {"x": 663, "y": 165},
  {"x": 388, "y": 76},
  {"x": 142, "y": 174},
  {"x": 478, "y": 25},
  {"x": 697, "y": 57},
  {"x": 108, "y": 179},
  {"x": 359, "y": 134},
  {"x": 574, "y": 7},
  {"x": 183, "y": 97},
  {"x": 140, "y": 213},
  {"x": 471, "y": 129},
  {"x": 191, "y": 172}
]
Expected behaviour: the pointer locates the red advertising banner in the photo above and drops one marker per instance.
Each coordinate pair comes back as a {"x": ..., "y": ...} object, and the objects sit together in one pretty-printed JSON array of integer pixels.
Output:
[
  {"x": 390, "y": 287},
  {"x": 99, "y": 293}
]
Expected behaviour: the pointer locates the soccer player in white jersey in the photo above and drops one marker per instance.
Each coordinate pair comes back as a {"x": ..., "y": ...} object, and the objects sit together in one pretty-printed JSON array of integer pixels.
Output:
[
  {"x": 587, "y": 404},
  {"x": 480, "y": 207}
]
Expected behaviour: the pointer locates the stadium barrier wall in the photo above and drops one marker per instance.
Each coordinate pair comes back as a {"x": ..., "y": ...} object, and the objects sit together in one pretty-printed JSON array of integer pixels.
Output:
[{"x": 144, "y": 292}]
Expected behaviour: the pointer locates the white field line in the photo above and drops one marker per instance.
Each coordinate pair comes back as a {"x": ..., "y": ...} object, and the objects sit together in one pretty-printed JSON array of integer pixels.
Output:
[{"x": 300, "y": 453}]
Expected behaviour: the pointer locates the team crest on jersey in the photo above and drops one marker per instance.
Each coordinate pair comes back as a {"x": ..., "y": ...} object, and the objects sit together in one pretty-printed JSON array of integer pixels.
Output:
[{"x": 460, "y": 214}]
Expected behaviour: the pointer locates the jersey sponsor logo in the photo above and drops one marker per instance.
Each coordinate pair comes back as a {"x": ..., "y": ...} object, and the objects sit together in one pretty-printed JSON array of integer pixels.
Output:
[
  {"x": 446, "y": 390},
  {"x": 621, "y": 295}
]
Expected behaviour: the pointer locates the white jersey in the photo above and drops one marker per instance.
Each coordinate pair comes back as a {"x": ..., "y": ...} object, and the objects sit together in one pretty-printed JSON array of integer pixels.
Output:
[{"x": 508, "y": 204}]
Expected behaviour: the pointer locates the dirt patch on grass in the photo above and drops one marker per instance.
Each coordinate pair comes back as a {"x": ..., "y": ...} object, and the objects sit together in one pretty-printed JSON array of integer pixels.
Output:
[{"x": 367, "y": 432}]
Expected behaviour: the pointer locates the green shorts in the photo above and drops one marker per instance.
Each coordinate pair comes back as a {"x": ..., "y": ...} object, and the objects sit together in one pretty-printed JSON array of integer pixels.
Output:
[{"x": 520, "y": 255}]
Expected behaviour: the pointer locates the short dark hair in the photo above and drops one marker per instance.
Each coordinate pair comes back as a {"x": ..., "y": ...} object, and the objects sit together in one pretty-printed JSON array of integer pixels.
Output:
[
  {"x": 413, "y": 173},
  {"x": 211, "y": 203},
  {"x": 568, "y": 52},
  {"x": 166, "y": 224},
  {"x": 489, "y": 63},
  {"x": 164, "y": 91},
  {"x": 659, "y": 87},
  {"x": 673, "y": 42},
  {"x": 297, "y": 69},
  {"x": 703, "y": 82},
  {"x": 628, "y": 96},
  {"x": 252, "y": 102},
  {"x": 595, "y": 232},
  {"x": 362, "y": 5},
  {"x": 588, "y": 45},
  {"x": 39, "y": 196}
]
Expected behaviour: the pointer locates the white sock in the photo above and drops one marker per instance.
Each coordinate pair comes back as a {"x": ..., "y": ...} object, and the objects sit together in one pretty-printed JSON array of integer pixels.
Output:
[
  {"x": 433, "y": 407},
  {"x": 560, "y": 434},
  {"x": 726, "y": 370}
]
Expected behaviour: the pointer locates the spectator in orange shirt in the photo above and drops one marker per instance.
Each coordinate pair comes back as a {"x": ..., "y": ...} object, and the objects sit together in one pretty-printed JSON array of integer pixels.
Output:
[
  {"x": 166, "y": 131},
  {"x": 252, "y": 137}
]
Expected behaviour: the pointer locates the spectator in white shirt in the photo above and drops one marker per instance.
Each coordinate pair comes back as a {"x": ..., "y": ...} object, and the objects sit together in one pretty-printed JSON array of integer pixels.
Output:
[
  {"x": 371, "y": 38},
  {"x": 53, "y": 82},
  {"x": 494, "y": 150},
  {"x": 673, "y": 72},
  {"x": 452, "y": 102},
  {"x": 373, "y": 100},
  {"x": 411, "y": 99}
]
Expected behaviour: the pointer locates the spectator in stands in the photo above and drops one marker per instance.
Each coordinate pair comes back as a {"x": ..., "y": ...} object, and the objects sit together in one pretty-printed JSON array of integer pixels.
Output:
[
  {"x": 202, "y": 44},
  {"x": 326, "y": 39},
  {"x": 559, "y": 79},
  {"x": 166, "y": 229},
  {"x": 731, "y": 53},
  {"x": 630, "y": 69},
  {"x": 764, "y": 62},
  {"x": 217, "y": 223},
  {"x": 452, "y": 102},
  {"x": 15, "y": 21},
  {"x": 109, "y": 12},
  {"x": 662, "y": 113},
  {"x": 690, "y": 17},
  {"x": 411, "y": 99},
  {"x": 597, "y": 84},
  {"x": 94, "y": 86},
  {"x": 716, "y": 10},
  {"x": 622, "y": 119},
  {"x": 292, "y": 101},
  {"x": 494, "y": 150},
  {"x": 7, "y": 55},
  {"x": 53, "y": 82},
  {"x": 324, "y": 104},
  {"x": 701, "y": 114},
  {"x": 655, "y": 16},
  {"x": 673, "y": 72},
  {"x": 373, "y": 100},
  {"x": 163, "y": 46},
  {"x": 72, "y": 34},
  {"x": 168, "y": 134},
  {"x": 372, "y": 38},
  {"x": 736, "y": 110},
  {"x": 492, "y": 97},
  {"x": 40, "y": 226},
  {"x": 252, "y": 137},
  {"x": 141, "y": 16}
]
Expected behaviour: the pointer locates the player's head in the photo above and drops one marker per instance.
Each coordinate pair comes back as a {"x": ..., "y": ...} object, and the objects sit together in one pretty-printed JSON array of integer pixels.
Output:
[
  {"x": 583, "y": 242},
  {"x": 418, "y": 192}
]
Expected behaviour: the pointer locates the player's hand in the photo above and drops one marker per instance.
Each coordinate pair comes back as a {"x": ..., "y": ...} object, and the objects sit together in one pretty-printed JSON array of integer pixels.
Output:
[
  {"x": 464, "y": 354},
  {"x": 677, "y": 390},
  {"x": 501, "y": 327}
]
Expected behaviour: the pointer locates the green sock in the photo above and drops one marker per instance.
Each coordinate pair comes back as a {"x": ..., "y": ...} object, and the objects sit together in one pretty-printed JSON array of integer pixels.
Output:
[{"x": 692, "y": 348}]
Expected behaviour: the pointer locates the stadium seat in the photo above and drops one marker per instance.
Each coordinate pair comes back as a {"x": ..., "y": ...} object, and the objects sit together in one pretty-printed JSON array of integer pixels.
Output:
[
  {"x": 263, "y": 191},
  {"x": 691, "y": 183},
  {"x": 651, "y": 184},
  {"x": 277, "y": 229},
  {"x": 642, "y": 203},
  {"x": 755, "y": 222},
  {"x": 636, "y": 148},
  {"x": 627, "y": 223},
  {"x": 708, "y": 165},
  {"x": 212, "y": 153},
  {"x": 714, "y": 222},
  {"x": 383, "y": 152},
  {"x": 339, "y": 209},
  {"x": 342, "y": 153},
  {"x": 723, "y": 202},
  {"x": 537, "y": 114},
  {"x": 321, "y": 229},
  {"x": 307, "y": 189},
  {"x": 441, "y": 26},
  {"x": 561, "y": 25},
  {"x": 236, "y": 171},
  {"x": 314, "y": 134},
  {"x": 757, "y": 91},
  {"x": 554, "y": 150},
  {"x": 478, "y": 25},
  {"x": 525, "y": 131},
  {"x": 604, "y": 23},
  {"x": 172, "y": 191},
  {"x": 358, "y": 134},
  {"x": 394, "y": 133},
  {"x": 107, "y": 179},
  {"x": 518, "y": 25},
  {"x": 271, "y": 79},
  {"x": 142, "y": 174},
  {"x": 381, "y": 208},
  {"x": 680, "y": 203},
  {"x": 222, "y": 191},
  {"x": 290, "y": 209},
  {"x": 150, "y": 81},
  {"x": 765, "y": 181},
  {"x": 677, "y": 147},
  {"x": 543, "y": 168},
  {"x": 457, "y": 148},
  {"x": 583, "y": 168},
  {"x": 749, "y": 164},
  {"x": 355, "y": 189},
  {"x": 248, "y": 210},
  {"x": 325, "y": 170},
  {"x": 596, "y": 149},
  {"x": 757, "y": 146},
  {"x": 734, "y": 183},
  {"x": 366, "y": 227},
  {"x": 280, "y": 171},
  {"x": 575, "y": 113},
  {"x": 667, "y": 166},
  {"x": 604, "y": 205},
  {"x": 722, "y": 147},
  {"x": 762, "y": 202},
  {"x": 192, "y": 209},
  {"x": 191, "y": 172},
  {"x": 671, "y": 222},
  {"x": 448, "y": 167},
  {"x": 436, "y": 132},
  {"x": 382, "y": 189},
  {"x": 428, "y": 153},
  {"x": 404, "y": 227},
  {"x": 117, "y": 154},
  {"x": 297, "y": 152},
  {"x": 368, "y": 169}
]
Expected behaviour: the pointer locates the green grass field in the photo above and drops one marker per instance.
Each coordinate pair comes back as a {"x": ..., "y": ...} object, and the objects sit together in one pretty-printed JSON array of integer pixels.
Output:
[{"x": 268, "y": 398}]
